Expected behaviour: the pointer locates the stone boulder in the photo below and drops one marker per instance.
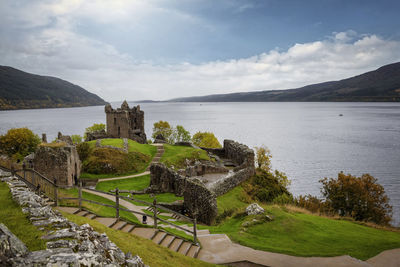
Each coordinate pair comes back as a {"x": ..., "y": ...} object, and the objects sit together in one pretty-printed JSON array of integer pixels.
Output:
[
  {"x": 160, "y": 139},
  {"x": 10, "y": 245},
  {"x": 254, "y": 209}
]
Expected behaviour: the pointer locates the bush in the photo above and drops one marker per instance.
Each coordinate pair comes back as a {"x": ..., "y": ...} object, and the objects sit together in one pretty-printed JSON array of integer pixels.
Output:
[
  {"x": 113, "y": 161},
  {"x": 94, "y": 128},
  {"x": 84, "y": 150},
  {"x": 180, "y": 134},
  {"x": 163, "y": 128},
  {"x": 19, "y": 142},
  {"x": 264, "y": 187},
  {"x": 76, "y": 139},
  {"x": 206, "y": 139},
  {"x": 359, "y": 197}
]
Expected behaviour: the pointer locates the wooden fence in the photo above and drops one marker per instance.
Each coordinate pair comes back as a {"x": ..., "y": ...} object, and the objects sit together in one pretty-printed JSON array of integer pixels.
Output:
[
  {"x": 153, "y": 205},
  {"x": 35, "y": 180}
]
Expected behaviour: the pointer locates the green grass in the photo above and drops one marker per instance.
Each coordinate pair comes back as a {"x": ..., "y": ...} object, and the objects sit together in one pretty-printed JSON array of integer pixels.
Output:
[
  {"x": 231, "y": 201},
  {"x": 176, "y": 155},
  {"x": 136, "y": 183},
  {"x": 11, "y": 215},
  {"x": 133, "y": 147},
  {"x": 150, "y": 253},
  {"x": 95, "y": 208},
  {"x": 301, "y": 234}
]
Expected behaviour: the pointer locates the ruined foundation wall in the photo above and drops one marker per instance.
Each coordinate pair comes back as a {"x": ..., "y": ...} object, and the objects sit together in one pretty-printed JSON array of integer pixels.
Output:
[
  {"x": 240, "y": 154},
  {"x": 197, "y": 198},
  {"x": 226, "y": 184}
]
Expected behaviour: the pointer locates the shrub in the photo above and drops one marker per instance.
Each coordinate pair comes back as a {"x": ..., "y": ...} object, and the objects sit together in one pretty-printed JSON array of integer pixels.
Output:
[
  {"x": 113, "y": 161},
  {"x": 94, "y": 128},
  {"x": 359, "y": 197},
  {"x": 206, "y": 139},
  {"x": 19, "y": 142},
  {"x": 76, "y": 139},
  {"x": 83, "y": 151},
  {"x": 263, "y": 158},
  {"x": 180, "y": 134}
]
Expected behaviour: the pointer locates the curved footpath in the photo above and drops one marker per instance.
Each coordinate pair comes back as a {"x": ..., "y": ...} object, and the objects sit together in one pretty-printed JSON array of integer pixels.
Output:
[{"x": 219, "y": 249}]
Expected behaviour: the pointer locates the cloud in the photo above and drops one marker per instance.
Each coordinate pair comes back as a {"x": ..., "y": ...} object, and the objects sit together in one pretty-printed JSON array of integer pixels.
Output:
[{"x": 47, "y": 42}]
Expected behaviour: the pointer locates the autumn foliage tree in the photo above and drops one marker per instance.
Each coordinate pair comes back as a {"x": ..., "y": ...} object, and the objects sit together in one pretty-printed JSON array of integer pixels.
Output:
[
  {"x": 19, "y": 142},
  {"x": 163, "y": 128},
  {"x": 206, "y": 139},
  {"x": 359, "y": 197}
]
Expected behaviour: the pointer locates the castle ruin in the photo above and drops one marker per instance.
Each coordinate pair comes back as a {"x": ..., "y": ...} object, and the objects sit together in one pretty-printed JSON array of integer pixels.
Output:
[{"x": 125, "y": 122}]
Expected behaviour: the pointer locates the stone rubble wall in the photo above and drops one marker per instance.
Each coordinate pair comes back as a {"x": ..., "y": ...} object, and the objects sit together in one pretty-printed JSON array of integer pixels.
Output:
[
  {"x": 68, "y": 244},
  {"x": 197, "y": 198},
  {"x": 240, "y": 154},
  {"x": 229, "y": 182}
]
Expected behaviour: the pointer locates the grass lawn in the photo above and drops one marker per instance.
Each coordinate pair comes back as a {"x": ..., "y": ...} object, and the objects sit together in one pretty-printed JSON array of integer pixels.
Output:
[
  {"x": 301, "y": 234},
  {"x": 176, "y": 155},
  {"x": 150, "y": 253},
  {"x": 136, "y": 183},
  {"x": 11, "y": 215},
  {"x": 97, "y": 209}
]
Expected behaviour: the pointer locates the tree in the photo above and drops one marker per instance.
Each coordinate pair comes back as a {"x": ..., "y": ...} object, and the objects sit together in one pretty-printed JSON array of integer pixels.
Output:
[
  {"x": 95, "y": 128},
  {"x": 76, "y": 139},
  {"x": 359, "y": 197},
  {"x": 19, "y": 142},
  {"x": 206, "y": 139},
  {"x": 263, "y": 158},
  {"x": 163, "y": 128},
  {"x": 180, "y": 134}
]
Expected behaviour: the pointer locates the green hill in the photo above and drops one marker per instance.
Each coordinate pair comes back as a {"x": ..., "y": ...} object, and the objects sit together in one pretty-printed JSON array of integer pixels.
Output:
[
  {"x": 382, "y": 85},
  {"x": 22, "y": 90}
]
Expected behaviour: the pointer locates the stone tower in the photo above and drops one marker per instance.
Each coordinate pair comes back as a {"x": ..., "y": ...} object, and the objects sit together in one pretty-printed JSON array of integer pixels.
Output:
[{"x": 125, "y": 122}]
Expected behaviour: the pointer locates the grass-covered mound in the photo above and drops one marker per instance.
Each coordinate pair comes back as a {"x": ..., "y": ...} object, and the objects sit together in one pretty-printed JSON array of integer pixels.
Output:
[
  {"x": 298, "y": 233},
  {"x": 136, "y": 183},
  {"x": 11, "y": 215},
  {"x": 103, "y": 162},
  {"x": 176, "y": 156},
  {"x": 152, "y": 254}
]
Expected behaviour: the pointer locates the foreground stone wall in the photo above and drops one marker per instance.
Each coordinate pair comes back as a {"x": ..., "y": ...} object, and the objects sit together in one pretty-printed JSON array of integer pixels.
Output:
[
  {"x": 68, "y": 244},
  {"x": 229, "y": 182},
  {"x": 198, "y": 200}
]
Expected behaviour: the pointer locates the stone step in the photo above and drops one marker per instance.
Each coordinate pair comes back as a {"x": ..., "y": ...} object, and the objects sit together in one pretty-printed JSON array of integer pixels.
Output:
[
  {"x": 82, "y": 213},
  {"x": 69, "y": 210},
  {"x": 167, "y": 241},
  {"x": 144, "y": 232},
  {"x": 193, "y": 251},
  {"x": 203, "y": 232},
  {"x": 176, "y": 244},
  {"x": 184, "y": 248},
  {"x": 90, "y": 216},
  {"x": 128, "y": 228},
  {"x": 106, "y": 221},
  {"x": 119, "y": 225},
  {"x": 159, "y": 237}
]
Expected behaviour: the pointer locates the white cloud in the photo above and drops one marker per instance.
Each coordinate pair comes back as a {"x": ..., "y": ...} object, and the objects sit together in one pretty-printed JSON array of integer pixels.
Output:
[{"x": 54, "y": 47}]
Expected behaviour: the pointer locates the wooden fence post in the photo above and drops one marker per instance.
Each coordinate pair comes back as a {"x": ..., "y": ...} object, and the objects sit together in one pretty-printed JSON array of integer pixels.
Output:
[
  {"x": 155, "y": 212},
  {"x": 12, "y": 170},
  {"x": 55, "y": 193},
  {"x": 33, "y": 178},
  {"x": 117, "y": 203},
  {"x": 23, "y": 168},
  {"x": 80, "y": 194}
]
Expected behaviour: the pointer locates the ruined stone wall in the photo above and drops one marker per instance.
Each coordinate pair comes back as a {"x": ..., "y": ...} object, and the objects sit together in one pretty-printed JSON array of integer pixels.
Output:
[
  {"x": 125, "y": 122},
  {"x": 60, "y": 163},
  {"x": 197, "y": 198},
  {"x": 240, "y": 154},
  {"x": 227, "y": 183}
]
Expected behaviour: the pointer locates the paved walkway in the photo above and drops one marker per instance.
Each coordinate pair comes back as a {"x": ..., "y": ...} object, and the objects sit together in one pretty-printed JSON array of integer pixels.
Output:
[{"x": 124, "y": 177}]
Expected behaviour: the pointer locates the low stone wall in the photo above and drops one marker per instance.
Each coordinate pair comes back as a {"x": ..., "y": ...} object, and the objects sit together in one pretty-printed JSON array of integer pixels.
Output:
[
  {"x": 229, "y": 182},
  {"x": 202, "y": 168},
  {"x": 68, "y": 244},
  {"x": 198, "y": 200}
]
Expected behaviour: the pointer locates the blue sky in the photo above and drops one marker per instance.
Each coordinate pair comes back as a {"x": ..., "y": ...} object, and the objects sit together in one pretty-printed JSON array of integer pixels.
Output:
[{"x": 159, "y": 49}]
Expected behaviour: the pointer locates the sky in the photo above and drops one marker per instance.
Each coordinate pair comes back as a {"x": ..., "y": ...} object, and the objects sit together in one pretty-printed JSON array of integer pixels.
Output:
[{"x": 162, "y": 49}]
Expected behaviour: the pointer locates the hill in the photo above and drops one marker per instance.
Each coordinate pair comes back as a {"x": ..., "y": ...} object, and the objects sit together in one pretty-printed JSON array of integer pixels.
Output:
[
  {"x": 22, "y": 90},
  {"x": 382, "y": 84}
]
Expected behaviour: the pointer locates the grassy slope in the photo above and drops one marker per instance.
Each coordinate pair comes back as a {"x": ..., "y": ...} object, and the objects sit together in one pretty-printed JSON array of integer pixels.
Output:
[
  {"x": 151, "y": 253},
  {"x": 118, "y": 142},
  {"x": 137, "y": 183},
  {"x": 176, "y": 155},
  {"x": 11, "y": 215},
  {"x": 97, "y": 209},
  {"x": 302, "y": 234}
]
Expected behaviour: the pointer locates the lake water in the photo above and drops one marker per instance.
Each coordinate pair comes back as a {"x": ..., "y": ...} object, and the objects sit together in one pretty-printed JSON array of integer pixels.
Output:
[{"x": 308, "y": 141}]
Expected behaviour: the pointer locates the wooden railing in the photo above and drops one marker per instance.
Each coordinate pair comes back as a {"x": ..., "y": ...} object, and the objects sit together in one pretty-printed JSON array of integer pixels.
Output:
[
  {"x": 153, "y": 205},
  {"x": 36, "y": 181}
]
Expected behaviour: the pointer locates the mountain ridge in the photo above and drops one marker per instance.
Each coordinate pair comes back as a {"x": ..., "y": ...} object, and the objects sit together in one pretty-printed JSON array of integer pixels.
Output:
[
  {"x": 23, "y": 90},
  {"x": 380, "y": 85}
]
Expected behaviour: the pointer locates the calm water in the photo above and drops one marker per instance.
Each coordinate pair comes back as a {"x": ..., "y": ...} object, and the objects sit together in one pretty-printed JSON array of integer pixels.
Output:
[{"x": 308, "y": 141}]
